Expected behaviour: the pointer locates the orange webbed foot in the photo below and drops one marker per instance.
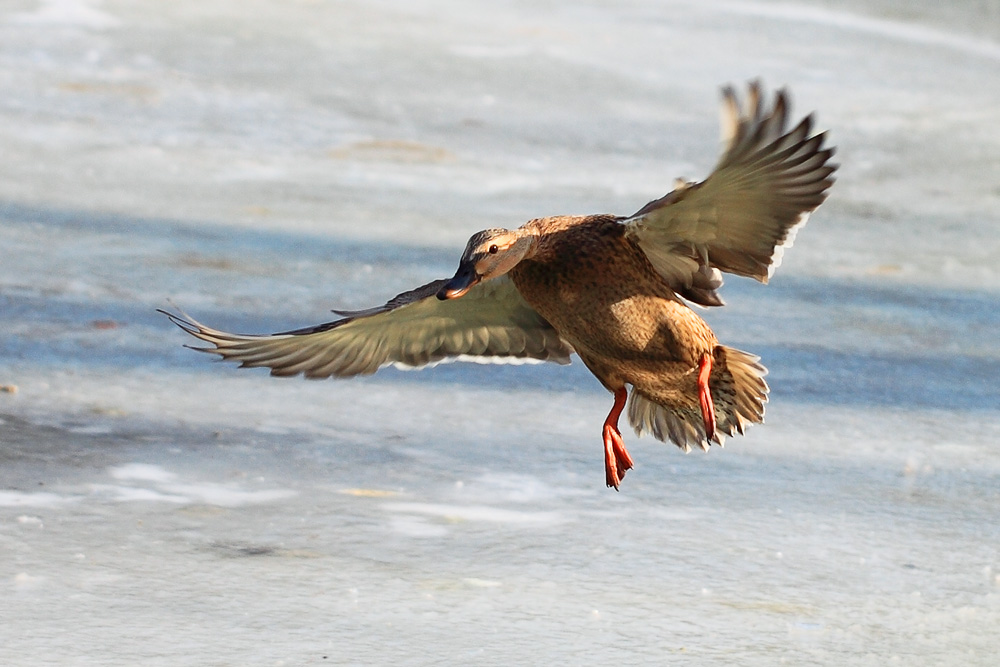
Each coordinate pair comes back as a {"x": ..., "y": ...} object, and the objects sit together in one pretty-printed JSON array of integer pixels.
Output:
[
  {"x": 705, "y": 396},
  {"x": 616, "y": 458}
]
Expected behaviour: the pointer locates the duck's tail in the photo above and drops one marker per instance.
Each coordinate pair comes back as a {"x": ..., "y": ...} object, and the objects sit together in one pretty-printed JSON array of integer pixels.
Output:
[{"x": 739, "y": 393}]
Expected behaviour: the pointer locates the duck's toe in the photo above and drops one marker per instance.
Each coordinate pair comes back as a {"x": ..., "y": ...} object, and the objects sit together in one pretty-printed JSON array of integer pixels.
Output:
[
  {"x": 616, "y": 458},
  {"x": 705, "y": 397}
]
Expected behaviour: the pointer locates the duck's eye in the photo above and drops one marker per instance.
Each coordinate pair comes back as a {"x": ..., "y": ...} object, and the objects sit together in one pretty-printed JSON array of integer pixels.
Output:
[{"x": 494, "y": 249}]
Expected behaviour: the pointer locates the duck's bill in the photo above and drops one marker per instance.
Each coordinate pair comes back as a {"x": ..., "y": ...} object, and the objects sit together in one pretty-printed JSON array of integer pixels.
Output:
[{"x": 465, "y": 279}]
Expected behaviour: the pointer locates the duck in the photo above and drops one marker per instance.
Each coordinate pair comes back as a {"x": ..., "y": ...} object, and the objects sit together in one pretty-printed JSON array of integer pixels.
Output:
[{"x": 615, "y": 291}]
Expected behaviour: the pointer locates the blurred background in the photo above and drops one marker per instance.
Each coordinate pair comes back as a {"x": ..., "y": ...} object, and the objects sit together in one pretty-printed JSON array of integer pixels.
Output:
[{"x": 259, "y": 163}]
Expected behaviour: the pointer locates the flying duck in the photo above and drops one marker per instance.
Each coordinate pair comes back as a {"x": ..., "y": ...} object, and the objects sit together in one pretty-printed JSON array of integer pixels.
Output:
[{"x": 613, "y": 290}]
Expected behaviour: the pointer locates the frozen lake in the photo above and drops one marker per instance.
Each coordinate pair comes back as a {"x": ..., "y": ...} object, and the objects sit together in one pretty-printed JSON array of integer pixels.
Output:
[{"x": 260, "y": 163}]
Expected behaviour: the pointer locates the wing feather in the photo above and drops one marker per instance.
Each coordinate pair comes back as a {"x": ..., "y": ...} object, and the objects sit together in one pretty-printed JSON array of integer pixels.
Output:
[
  {"x": 739, "y": 219},
  {"x": 491, "y": 323}
]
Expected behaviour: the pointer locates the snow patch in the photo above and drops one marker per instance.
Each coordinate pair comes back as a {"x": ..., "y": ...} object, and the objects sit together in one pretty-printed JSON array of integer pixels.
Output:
[
  {"x": 142, "y": 471},
  {"x": 81, "y": 13},
  {"x": 20, "y": 499},
  {"x": 476, "y": 513},
  {"x": 167, "y": 489}
]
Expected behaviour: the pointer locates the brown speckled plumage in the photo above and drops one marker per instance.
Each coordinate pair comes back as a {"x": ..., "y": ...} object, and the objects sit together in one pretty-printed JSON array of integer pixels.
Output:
[
  {"x": 636, "y": 330},
  {"x": 611, "y": 289}
]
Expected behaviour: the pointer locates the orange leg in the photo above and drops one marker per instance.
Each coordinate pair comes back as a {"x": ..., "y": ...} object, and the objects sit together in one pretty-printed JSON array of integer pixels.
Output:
[
  {"x": 616, "y": 457},
  {"x": 705, "y": 396}
]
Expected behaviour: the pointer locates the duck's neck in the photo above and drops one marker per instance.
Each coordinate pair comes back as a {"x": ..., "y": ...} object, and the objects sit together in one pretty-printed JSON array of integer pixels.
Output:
[{"x": 526, "y": 244}]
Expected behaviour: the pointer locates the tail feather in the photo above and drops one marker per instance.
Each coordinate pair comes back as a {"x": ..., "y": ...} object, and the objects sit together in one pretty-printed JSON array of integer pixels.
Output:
[{"x": 739, "y": 393}]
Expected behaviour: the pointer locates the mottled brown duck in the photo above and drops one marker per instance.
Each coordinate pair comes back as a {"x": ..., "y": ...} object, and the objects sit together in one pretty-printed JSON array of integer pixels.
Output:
[{"x": 614, "y": 290}]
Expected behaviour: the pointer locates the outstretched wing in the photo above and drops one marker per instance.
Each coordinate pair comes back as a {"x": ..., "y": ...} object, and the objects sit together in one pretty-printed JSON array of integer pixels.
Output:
[
  {"x": 739, "y": 219},
  {"x": 491, "y": 323}
]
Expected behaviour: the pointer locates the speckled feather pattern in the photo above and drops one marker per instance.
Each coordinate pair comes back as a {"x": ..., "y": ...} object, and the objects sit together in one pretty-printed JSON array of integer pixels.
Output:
[{"x": 599, "y": 290}]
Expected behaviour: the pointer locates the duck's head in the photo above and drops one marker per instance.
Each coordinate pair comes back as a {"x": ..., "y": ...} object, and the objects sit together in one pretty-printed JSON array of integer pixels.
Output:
[{"x": 489, "y": 254}]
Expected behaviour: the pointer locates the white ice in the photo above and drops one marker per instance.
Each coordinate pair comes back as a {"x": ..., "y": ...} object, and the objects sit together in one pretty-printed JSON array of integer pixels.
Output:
[{"x": 260, "y": 163}]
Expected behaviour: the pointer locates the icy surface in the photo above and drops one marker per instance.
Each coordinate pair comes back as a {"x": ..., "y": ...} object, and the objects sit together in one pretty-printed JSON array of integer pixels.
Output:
[{"x": 260, "y": 163}]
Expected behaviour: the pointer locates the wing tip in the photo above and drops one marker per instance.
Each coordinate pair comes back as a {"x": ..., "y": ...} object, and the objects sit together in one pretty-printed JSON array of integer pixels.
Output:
[{"x": 185, "y": 322}]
